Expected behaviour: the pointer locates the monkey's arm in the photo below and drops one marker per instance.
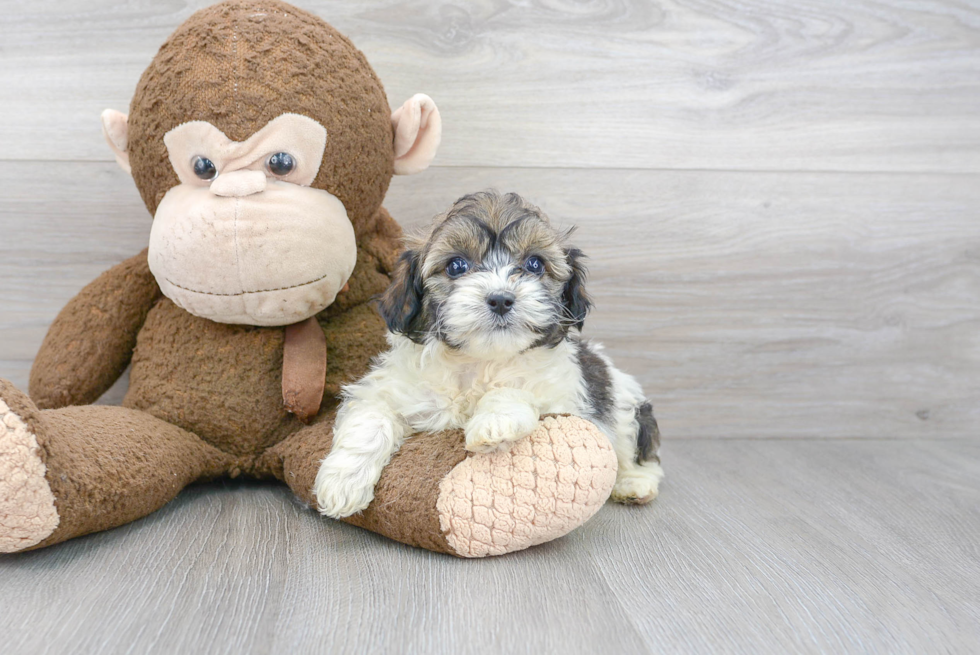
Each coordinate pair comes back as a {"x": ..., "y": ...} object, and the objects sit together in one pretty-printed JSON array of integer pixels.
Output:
[{"x": 91, "y": 341}]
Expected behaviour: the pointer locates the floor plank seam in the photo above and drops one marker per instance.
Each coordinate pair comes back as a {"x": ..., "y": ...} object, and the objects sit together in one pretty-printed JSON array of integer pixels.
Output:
[{"x": 623, "y": 169}]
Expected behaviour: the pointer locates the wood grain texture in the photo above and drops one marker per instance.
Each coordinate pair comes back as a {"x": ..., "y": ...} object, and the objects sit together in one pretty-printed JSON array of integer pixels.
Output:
[
  {"x": 744, "y": 85},
  {"x": 748, "y": 304},
  {"x": 780, "y": 201},
  {"x": 753, "y": 547}
]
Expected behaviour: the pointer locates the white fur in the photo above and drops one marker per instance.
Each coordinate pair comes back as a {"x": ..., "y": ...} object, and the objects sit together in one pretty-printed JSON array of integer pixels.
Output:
[
  {"x": 470, "y": 323},
  {"x": 493, "y": 375},
  {"x": 432, "y": 387}
]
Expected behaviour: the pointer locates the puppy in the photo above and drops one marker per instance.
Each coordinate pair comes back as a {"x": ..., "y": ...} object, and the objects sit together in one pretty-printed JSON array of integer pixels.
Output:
[{"x": 483, "y": 318}]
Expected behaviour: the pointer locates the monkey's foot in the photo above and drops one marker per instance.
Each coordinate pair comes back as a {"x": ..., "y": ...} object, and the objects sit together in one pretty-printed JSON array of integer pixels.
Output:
[
  {"x": 546, "y": 485},
  {"x": 27, "y": 511}
]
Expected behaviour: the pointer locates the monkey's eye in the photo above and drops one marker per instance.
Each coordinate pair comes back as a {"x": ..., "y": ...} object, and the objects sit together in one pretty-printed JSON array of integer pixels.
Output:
[
  {"x": 281, "y": 163},
  {"x": 534, "y": 265},
  {"x": 204, "y": 168},
  {"x": 457, "y": 267}
]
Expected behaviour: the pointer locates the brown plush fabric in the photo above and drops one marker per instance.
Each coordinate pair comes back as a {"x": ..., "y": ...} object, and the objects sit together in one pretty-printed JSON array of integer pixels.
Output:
[
  {"x": 304, "y": 368},
  {"x": 108, "y": 466},
  {"x": 23, "y": 406},
  {"x": 413, "y": 477},
  {"x": 90, "y": 342},
  {"x": 28, "y": 514},
  {"x": 238, "y": 65},
  {"x": 223, "y": 382},
  {"x": 405, "y": 509},
  {"x": 377, "y": 254},
  {"x": 205, "y": 398}
]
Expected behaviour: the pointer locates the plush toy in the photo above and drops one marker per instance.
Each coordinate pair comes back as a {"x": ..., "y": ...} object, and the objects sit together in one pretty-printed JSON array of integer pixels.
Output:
[{"x": 262, "y": 143}]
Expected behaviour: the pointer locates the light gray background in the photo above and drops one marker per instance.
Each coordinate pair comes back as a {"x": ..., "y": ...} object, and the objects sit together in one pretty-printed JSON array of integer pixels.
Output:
[{"x": 782, "y": 207}]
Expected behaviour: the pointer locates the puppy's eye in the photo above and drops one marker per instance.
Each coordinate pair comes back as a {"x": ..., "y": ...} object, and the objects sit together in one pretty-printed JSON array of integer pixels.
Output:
[
  {"x": 457, "y": 267},
  {"x": 281, "y": 163},
  {"x": 204, "y": 168},
  {"x": 534, "y": 265}
]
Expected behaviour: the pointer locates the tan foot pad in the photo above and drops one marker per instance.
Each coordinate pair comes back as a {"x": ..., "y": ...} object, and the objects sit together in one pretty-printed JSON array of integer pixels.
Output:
[
  {"x": 547, "y": 485},
  {"x": 27, "y": 511}
]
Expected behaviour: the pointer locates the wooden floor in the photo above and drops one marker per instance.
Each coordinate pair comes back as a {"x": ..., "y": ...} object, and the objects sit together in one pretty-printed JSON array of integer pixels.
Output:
[
  {"x": 772, "y": 546},
  {"x": 781, "y": 202}
]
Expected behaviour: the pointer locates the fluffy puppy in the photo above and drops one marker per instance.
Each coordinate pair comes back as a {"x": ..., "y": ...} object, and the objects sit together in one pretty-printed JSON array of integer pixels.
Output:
[{"x": 484, "y": 314}]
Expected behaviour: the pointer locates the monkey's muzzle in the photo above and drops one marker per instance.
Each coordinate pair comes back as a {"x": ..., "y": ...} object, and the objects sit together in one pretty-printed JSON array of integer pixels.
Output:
[{"x": 274, "y": 257}]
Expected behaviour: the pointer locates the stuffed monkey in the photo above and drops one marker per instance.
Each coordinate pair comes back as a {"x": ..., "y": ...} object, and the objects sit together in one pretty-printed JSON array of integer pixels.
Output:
[{"x": 262, "y": 144}]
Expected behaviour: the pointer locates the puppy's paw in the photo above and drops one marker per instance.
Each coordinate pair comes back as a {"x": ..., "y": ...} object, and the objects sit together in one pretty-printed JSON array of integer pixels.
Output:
[
  {"x": 490, "y": 431},
  {"x": 638, "y": 485},
  {"x": 341, "y": 490}
]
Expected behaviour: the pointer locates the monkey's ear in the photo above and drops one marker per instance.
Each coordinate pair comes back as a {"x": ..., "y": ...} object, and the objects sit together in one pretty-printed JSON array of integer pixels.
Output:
[
  {"x": 574, "y": 297},
  {"x": 115, "y": 129},
  {"x": 418, "y": 131},
  {"x": 401, "y": 303}
]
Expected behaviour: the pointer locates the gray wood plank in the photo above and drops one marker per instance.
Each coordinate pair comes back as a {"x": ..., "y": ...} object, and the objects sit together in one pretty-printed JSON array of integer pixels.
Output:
[
  {"x": 233, "y": 568},
  {"x": 746, "y": 85},
  {"x": 748, "y": 304},
  {"x": 753, "y": 547},
  {"x": 806, "y": 546},
  {"x": 762, "y": 304}
]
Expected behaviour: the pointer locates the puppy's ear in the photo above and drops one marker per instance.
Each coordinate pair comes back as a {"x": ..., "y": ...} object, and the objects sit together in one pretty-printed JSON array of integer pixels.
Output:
[
  {"x": 574, "y": 297},
  {"x": 401, "y": 304}
]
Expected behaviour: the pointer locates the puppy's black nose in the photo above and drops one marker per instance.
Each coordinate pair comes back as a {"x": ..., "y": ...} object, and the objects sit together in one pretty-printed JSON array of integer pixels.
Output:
[{"x": 501, "y": 302}]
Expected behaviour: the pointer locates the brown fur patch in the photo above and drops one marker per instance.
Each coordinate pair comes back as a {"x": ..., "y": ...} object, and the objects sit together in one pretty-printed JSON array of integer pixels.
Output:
[
  {"x": 91, "y": 341},
  {"x": 489, "y": 231},
  {"x": 479, "y": 222}
]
